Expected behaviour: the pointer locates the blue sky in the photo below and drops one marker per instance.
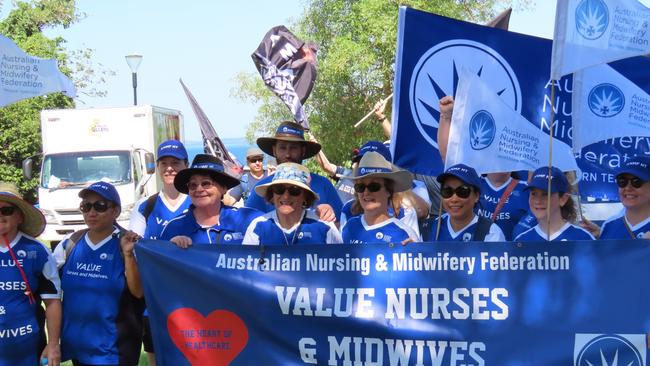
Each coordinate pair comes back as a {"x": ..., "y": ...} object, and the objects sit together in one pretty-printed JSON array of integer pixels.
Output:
[{"x": 206, "y": 43}]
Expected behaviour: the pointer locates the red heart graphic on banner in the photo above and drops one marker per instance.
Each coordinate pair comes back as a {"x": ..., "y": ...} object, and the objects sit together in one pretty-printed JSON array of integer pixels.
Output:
[{"x": 213, "y": 340}]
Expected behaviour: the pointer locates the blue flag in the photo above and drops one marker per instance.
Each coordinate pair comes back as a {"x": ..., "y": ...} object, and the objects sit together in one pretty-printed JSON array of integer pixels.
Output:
[{"x": 421, "y": 304}]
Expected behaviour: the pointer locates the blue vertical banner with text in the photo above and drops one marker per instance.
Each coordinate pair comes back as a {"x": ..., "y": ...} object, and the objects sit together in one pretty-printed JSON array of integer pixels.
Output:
[
  {"x": 433, "y": 49},
  {"x": 580, "y": 303}
]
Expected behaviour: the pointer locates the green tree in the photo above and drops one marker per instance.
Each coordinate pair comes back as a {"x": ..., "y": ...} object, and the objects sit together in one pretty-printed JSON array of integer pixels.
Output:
[
  {"x": 20, "y": 122},
  {"x": 357, "y": 43}
]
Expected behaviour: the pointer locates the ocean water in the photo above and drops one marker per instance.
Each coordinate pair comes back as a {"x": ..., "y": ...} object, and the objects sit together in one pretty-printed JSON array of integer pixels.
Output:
[{"x": 236, "y": 146}]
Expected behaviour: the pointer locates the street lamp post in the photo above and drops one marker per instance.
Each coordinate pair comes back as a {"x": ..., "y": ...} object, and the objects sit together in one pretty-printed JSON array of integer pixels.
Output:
[{"x": 134, "y": 62}]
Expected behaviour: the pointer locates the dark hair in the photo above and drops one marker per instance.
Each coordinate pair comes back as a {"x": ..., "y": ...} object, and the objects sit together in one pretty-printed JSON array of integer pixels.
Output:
[
  {"x": 568, "y": 211},
  {"x": 310, "y": 199},
  {"x": 356, "y": 208}
]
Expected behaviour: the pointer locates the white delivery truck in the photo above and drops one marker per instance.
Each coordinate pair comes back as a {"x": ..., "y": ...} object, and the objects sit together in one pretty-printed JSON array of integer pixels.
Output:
[{"x": 82, "y": 146}]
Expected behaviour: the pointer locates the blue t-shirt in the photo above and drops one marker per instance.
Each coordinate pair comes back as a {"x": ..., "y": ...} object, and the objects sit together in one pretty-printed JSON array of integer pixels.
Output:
[
  {"x": 406, "y": 215},
  {"x": 266, "y": 230},
  {"x": 357, "y": 231},
  {"x": 566, "y": 233},
  {"x": 102, "y": 320},
  {"x": 526, "y": 222},
  {"x": 19, "y": 330},
  {"x": 447, "y": 232},
  {"x": 515, "y": 207},
  {"x": 319, "y": 184},
  {"x": 160, "y": 215},
  {"x": 231, "y": 228},
  {"x": 614, "y": 228}
]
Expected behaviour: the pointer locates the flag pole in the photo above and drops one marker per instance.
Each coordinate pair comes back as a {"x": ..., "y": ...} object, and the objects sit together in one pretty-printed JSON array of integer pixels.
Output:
[
  {"x": 550, "y": 163},
  {"x": 371, "y": 112}
]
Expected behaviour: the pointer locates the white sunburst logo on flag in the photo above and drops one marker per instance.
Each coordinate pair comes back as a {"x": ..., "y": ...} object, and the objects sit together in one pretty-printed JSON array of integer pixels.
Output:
[
  {"x": 606, "y": 100},
  {"x": 609, "y": 350},
  {"x": 592, "y": 18},
  {"x": 481, "y": 130}
]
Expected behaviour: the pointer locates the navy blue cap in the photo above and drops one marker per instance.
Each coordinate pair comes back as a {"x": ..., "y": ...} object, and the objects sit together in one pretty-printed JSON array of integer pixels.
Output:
[
  {"x": 375, "y": 146},
  {"x": 173, "y": 148},
  {"x": 559, "y": 182},
  {"x": 105, "y": 190},
  {"x": 462, "y": 172},
  {"x": 638, "y": 166},
  {"x": 208, "y": 165}
]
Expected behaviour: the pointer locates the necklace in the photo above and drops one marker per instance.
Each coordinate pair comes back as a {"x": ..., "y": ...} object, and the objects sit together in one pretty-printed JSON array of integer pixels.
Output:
[{"x": 295, "y": 233}]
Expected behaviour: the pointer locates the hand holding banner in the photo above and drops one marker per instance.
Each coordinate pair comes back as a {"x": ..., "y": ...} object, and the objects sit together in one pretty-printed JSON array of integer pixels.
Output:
[
  {"x": 484, "y": 127},
  {"x": 592, "y": 32},
  {"x": 23, "y": 76}
]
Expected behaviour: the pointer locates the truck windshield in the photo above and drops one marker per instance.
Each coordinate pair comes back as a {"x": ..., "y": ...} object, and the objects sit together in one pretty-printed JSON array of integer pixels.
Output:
[{"x": 83, "y": 168}]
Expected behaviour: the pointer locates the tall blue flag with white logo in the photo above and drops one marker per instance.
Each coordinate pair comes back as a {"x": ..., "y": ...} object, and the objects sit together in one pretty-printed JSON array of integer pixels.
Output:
[
  {"x": 23, "y": 76},
  {"x": 431, "y": 49},
  {"x": 607, "y": 105},
  {"x": 484, "y": 125},
  {"x": 592, "y": 32}
]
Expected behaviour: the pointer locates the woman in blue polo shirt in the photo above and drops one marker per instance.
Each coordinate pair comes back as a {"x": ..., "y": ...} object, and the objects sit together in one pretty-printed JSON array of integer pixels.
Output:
[
  {"x": 292, "y": 222},
  {"x": 562, "y": 209},
  {"x": 634, "y": 192},
  {"x": 208, "y": 220},
  {"x": 27, "y": 274},
  {"x": 460, "y": 191},
  {"x": 375, "y": 182}
]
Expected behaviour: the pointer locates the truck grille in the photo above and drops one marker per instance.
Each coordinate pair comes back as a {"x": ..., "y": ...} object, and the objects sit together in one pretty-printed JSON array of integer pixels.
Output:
[
  {"x": 68, "y": 212},
  {"x": 73, "y": 222}
]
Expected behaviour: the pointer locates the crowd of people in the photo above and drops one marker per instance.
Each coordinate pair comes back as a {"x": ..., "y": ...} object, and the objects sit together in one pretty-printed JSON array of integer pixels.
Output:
[{"x": 90, "y": 285}]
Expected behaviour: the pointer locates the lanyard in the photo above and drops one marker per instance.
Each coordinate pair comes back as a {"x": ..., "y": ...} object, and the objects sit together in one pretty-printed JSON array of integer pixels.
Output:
[{"x": 28, "y": 292}]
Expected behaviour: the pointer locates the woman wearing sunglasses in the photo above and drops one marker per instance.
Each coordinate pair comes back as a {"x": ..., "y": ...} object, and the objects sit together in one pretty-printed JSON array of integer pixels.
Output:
[
  {"x": 291, "y": 223},
  {"x": 634, "y": 192},
  {"x": 562, "y": 211},
  {"x": 101, "y": 285},
  {"x": 208, "y": 221},
  {"x": 27, "y": 274},
  {"x": 460, "y": 191},
  {"x": 375, "y": 183}
]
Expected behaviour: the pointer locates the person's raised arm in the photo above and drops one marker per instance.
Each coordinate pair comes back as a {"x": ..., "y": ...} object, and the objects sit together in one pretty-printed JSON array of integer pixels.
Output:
[
  {"x": 446, "y": 108},
  {"x": 127, "y": 243},
  {"x": 322, "y": 160},
  {"x": 380, "y": 108}
]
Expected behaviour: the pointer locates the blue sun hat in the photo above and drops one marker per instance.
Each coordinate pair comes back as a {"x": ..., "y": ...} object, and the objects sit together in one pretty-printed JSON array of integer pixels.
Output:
[
  {"x": 463, "y": 172},
  {"x": 374, "y": 165},
  {"x": 559, "y": 182},
  {"x": 638, "y": 166},
  {"x": 292, "y": 132},
  {"x": 208, "y": 165},
  {"x": 289, "y": 173}
]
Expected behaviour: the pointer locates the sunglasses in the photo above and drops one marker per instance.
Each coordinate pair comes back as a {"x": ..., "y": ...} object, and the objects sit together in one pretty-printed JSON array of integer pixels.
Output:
[
  {"x": 206, "y": 184},
  {"x": 622, "y": 182},
  {"x": 255, "y": 160},
  {"x": 372, "y": 187},
  {"x": 460, "y": 191},
  {"x": 99, "y": 206},
  {"x": 280, "y": 189},
  {"x": 8, "y": 210}
]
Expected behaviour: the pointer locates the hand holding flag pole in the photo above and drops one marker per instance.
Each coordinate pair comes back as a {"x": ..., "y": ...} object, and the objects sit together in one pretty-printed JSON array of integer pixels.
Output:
[{"x": 356, "y": 125}]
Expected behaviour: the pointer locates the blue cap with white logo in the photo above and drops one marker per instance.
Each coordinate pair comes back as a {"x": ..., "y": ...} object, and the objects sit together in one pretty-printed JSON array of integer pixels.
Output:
[
  {"x": 559, "y": 182},
  {"x": 375, "y": 146},
  {"x": 638, "y": 166},
  {"x": 105, "y": 190},
  {"x": 463, "y": 172},
  {"x": 173, "y": 148}
]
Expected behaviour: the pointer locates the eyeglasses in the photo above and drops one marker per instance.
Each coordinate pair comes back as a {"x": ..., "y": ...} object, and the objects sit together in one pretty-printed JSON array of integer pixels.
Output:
[
  {"x": 99, "y": 206},
  {"x": 255, "y": 160},
  {"x": 280, "y": 189},
  {"x": 8, "y": 210},
  {"x": 460, "y": 191},
  {"x": 372, "y": 187},
  {"x": 206, "y": 184},
  {"x": 622, "y": 182}
]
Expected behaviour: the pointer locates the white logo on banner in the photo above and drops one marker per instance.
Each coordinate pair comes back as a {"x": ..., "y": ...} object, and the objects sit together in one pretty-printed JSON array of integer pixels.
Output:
[
  {"x": 592, "y": 18},
  {"x": 481, "y": 130},
  {"x": 606, "y": 100},
  {"x": 436, "y": 74},
  {"x": 609, "y": 350},
  {"x": 227, "y": 237}
]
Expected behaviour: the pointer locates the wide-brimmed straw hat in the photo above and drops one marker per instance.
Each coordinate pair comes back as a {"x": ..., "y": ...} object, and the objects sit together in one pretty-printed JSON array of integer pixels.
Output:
[
  {"x": 373, "y": 165},
  {"x": 289, "y": 131},
  {"x": 33, "y": 220},
  {"x": 205, "y": 165},
  {"x": 289, "y": 173}
]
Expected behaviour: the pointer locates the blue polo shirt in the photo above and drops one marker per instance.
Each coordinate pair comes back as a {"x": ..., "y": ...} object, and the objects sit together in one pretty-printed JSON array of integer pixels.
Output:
[
  {"x": 19, "y": 330},
  {"x": 319, "y": 184},
  {"x": 615, "y": 228},
  {"x": 513, "y": 210},
  {"x": 231, "y": 228},
  {"x": 161, "y": 214},
  {"x": 568, "y": 232},
  {"x": 266, "y": 230},
  {"x": 447, "y": 232},
  {"x": 357, "y": 231}
]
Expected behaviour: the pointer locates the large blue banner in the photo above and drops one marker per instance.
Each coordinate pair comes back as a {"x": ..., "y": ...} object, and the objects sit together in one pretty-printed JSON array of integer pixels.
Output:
[
  {"x": 506, "y": 304},
  {"x": 432, "y": 49}
]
